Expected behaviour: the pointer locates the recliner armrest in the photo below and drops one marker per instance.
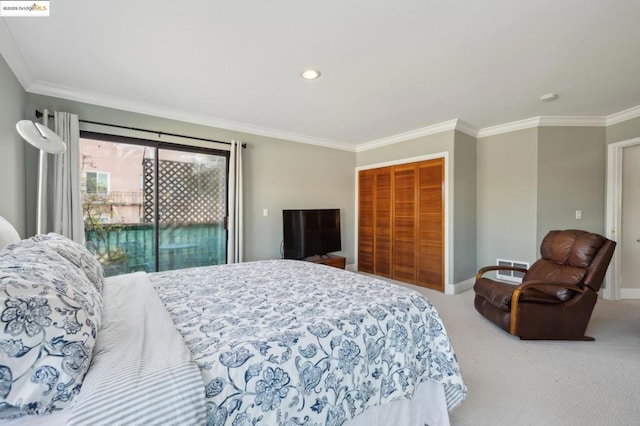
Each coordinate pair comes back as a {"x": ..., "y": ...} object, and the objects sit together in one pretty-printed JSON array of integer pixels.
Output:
[
  {"x": 560, "y": 291},
  {"x": 485, "y": 269}
]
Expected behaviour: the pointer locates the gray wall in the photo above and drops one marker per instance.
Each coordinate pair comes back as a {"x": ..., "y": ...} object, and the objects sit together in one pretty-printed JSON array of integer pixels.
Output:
[
  {"x": 532, "y": 181},
  {"x": 571, "y": 176},
  {"x": 277, "y": 174},
  {"x": 12, "y": 150},
  {"x": 507, "y": 193},
  {"x": 288, "y": 175},
  {"x": 629, "y": 129},
  {"x": 464, "y": 207},
  {"x": 520, "y": 185},
  {"x": 439, "y": 142}
]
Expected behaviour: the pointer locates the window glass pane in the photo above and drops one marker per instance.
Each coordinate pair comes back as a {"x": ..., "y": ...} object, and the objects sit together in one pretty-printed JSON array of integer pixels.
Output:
[
  {"x": 191, "y": 209},
  {"x": 91, "y": 182},
  {"x": 130, "y": 225},
  {"x": 113, "y": 206},
  {"x": 102, "y": 183}
]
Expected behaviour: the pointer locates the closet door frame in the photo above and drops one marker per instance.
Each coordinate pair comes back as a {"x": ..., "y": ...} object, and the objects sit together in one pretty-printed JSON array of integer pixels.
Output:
[{"x": 448, "y": 179}]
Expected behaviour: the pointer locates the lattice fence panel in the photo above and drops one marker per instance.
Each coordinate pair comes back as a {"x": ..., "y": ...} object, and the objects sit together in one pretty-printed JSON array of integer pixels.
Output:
[{"x": 188, "y": 192}]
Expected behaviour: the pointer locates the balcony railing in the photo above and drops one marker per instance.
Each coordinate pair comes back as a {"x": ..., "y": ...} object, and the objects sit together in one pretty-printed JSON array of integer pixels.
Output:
[
  {"x": 123, "y": 248},
  {"x": 117, "y": 198}
]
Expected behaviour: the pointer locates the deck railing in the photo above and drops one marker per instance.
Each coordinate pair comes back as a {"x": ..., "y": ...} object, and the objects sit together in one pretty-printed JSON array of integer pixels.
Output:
[
  {"x": 123, "y": 248},
  {"x": 118, "y": 198}
]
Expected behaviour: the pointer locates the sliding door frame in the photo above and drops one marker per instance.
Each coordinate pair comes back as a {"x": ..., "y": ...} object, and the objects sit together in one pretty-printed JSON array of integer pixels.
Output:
[{"x": 157, "y": 146}]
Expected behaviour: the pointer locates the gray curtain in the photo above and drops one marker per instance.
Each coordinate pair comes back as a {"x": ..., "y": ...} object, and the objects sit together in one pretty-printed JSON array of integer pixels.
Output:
[
  {"x": 63, "y": 208},
  {"x": 235, "y": 231}
]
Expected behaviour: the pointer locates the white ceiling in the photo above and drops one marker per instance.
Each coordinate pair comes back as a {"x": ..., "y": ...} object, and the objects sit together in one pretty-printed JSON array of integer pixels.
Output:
[{"x": 388, "y": 67}]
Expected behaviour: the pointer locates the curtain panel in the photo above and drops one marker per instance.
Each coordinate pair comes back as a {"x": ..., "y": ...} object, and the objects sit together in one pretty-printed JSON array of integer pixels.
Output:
[
  {"x": 235, "y": 219},
  {"x": 62, "y": 204}
]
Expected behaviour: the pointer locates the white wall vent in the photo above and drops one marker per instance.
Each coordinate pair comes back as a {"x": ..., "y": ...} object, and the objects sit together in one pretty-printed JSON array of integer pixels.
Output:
[{"x": 513, "y": 276}]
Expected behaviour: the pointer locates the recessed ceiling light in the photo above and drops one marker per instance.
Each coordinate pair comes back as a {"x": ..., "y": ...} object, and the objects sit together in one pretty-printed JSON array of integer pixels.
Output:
[
  {"x": 310, "y": 74},
  {"x": 549, "y": 97}
]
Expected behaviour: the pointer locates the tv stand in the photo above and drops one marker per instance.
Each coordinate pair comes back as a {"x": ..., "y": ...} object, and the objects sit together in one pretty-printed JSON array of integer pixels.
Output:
[{"x": 328, "y": 259}]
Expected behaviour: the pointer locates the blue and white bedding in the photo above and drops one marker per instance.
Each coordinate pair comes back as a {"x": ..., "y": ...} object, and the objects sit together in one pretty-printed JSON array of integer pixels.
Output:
[
  {"x": 259, "y": 343},
  {"x": 295, "y": 343},
  {"x": 76, "y": 349},
  {"x": 50, "y": 314},
  {"x": 141, "y": 373}
]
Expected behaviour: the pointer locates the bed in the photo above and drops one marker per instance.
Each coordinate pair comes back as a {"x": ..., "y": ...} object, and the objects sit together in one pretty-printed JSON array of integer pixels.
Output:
[{"x": 276, "y": 342}]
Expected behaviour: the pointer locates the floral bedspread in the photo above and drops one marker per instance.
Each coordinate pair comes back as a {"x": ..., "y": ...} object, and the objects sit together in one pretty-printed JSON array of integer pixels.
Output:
[{"x": 287, "y": 342}]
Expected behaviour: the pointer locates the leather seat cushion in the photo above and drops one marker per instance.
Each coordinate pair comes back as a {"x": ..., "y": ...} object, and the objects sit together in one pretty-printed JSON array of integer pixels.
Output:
[{"x": 495, "y": 292}]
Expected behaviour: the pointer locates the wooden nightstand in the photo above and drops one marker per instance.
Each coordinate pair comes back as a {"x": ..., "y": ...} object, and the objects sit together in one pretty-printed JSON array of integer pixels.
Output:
[{"x": 329, "y": 260}]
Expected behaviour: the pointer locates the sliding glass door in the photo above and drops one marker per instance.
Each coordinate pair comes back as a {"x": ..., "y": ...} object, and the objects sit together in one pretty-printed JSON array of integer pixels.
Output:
[
  {"x": 192, "y": 207},
  {"x": 151, "y": 206}
]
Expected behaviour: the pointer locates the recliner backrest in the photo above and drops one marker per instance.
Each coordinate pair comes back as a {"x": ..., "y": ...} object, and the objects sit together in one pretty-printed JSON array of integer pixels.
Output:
[{"x": 572, "y": 257}]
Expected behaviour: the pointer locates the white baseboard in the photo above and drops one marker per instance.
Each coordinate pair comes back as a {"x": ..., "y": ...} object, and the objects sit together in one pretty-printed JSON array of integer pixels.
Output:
[
  {"x": 456, "y": 288},
  {"x": 460, "y": 287},
  {"x": 630, "y": 293}
]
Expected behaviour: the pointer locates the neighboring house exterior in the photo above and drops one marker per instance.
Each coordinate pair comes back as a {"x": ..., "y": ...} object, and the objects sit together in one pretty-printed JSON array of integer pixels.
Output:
[{"x": 111, "y": 175}]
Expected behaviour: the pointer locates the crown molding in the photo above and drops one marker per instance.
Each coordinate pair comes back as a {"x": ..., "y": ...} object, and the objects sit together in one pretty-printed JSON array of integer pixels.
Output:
[
  {"x": 466, "y": 128},
  {"x": 545, "y": 121},
  {"x": 627, "y": 114},
  {"x": 25, "y": 77},
  {"x": 12, "y": 54},
  {"x": 92, "y": 98},
  {"x": 406, "y": 136},
  {"x": 560, "y": 121},
  {"x": 509, "y": 127}
]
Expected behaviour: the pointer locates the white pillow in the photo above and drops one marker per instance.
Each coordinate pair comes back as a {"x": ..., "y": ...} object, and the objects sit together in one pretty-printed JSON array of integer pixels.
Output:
[{"x": 8, "y": 233}]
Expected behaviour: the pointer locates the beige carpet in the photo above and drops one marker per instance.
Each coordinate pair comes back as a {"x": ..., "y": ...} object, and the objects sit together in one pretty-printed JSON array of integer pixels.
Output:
[{"x": 516, "y": 382}]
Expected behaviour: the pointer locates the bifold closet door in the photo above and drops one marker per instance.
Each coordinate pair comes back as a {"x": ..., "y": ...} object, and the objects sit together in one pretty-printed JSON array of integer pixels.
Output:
[
  {"x": 366, "y": 226},
  {"x": 401, "y": 222},
  {"x": 430, "y": 272},
  {"x": 405, "y": 236},
  {"x": 382, "y": 242}
]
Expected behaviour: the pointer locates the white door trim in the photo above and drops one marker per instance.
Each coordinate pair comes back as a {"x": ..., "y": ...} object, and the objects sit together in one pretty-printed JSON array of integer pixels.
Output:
[{"x": 614, "y": 212}]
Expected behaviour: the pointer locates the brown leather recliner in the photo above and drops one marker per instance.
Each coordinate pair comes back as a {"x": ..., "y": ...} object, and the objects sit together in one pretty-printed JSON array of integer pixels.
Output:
[{"x": 558, "y": 292}]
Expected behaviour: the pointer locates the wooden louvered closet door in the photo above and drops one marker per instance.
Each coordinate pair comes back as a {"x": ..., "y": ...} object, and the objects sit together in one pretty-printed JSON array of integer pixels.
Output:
[
  {"x": 405, "y": 234},
  {"x": 430, "y": 261},
  {"x": 382, "y": 256},
  {"x": 401, "y": 222},
  {"x": 366, "y": 226}
]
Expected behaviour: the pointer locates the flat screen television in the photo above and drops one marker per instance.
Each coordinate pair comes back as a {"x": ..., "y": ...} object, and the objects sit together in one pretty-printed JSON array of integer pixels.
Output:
[{"x": 310, "y": 232}]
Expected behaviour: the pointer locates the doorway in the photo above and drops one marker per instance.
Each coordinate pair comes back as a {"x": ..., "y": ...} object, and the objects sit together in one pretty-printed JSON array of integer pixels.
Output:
[
  {"x": 622, "y": 197},
  {"x": 630, "y": 229}
]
